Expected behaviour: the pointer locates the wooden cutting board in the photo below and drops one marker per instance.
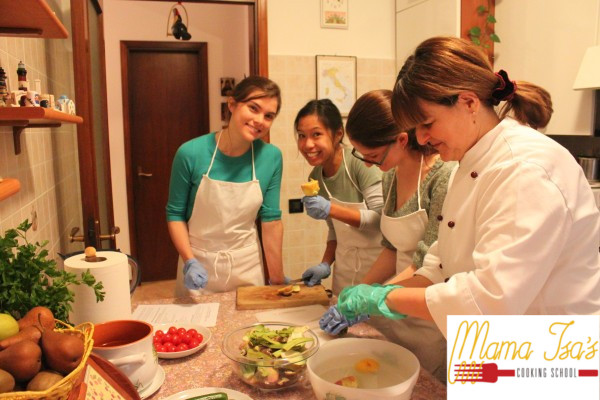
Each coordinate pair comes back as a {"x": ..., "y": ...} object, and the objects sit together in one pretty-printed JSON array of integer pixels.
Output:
[{"x": 265, "y": 297}]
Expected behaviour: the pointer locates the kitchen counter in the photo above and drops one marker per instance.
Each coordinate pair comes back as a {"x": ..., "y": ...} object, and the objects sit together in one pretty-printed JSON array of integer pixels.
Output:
[{"x": 210, "y": 368}]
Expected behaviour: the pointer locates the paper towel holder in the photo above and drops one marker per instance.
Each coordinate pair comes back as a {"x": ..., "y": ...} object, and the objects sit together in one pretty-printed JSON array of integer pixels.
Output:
[
  {"x": 136, "y": 271},
  {"x": 94, "y": 259}
]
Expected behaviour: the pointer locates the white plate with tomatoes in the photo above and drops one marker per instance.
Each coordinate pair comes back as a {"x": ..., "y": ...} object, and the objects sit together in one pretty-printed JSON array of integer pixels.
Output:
[{"x": 179, "y": 340}]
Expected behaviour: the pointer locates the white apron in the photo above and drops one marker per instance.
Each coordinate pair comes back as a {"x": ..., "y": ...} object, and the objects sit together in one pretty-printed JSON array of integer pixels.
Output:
[
  {"x": 223, "y": 234},
  {"x": 421, "y": 337},
  {"x": 356, "y": 250}
]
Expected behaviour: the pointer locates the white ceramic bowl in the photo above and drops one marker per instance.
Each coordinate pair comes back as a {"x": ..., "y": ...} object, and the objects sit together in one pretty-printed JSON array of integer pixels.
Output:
[
  {"x": 205, "y": 332},
  {"x": 398, "y": 370}
]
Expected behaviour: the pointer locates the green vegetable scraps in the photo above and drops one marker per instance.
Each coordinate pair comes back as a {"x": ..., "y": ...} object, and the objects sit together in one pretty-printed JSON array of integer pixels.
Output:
[
  {"x": 28, "y": 278},
  {"x": 276, "y": 355}
]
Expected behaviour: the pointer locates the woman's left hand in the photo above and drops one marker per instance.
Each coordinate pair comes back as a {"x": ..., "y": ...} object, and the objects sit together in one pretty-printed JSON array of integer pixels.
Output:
[
  {"x": 334, "y": 323},
  {"x": 316, "y": 206}
]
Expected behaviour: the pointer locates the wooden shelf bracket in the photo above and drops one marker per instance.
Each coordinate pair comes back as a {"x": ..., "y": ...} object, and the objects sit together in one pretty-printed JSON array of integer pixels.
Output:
[{"x": 17, "y": 130}]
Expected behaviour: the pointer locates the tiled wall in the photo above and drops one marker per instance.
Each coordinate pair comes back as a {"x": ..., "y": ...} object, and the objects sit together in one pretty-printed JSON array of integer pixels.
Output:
[
  {"x": 304, "y": 237},
  {"x": 48, "y": 166}
]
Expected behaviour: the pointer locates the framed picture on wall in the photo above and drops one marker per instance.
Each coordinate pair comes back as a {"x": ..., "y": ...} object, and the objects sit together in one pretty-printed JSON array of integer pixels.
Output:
[
  {"x": 227, "y": 85},
  {"x": 334, "y": 14},
  {"x": 336, "y": 80}
]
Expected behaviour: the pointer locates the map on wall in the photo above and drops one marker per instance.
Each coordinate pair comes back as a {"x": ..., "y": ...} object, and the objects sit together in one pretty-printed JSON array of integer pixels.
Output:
[{"x": 336, "y": 80}]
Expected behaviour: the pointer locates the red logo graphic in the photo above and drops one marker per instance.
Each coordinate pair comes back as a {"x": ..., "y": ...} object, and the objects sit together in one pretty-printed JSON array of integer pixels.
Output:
[
  {"x": 490, "y": 373},
  {"x": 480, "y": 372}
]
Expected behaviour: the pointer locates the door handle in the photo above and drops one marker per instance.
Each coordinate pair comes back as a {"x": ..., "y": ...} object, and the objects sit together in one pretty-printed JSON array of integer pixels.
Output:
[
  {"x": 142, "y": 173},
  {"x": 114, "y": 232},
  {"x": 74, "y": 238}
]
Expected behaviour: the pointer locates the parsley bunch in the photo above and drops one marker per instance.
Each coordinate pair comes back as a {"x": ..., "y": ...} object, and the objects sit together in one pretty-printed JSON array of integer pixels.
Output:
[{"x": 28, "y": 278}]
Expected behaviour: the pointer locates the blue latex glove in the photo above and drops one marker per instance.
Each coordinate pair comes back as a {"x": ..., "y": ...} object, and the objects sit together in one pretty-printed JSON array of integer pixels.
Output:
[
  {"x": 194, "y": 275},
  {"x": 354, "y": 301},
  {"x": 316, "y": 206},
  {"x": 333, "y": 322},
  {"x": 313, "y": 275}
]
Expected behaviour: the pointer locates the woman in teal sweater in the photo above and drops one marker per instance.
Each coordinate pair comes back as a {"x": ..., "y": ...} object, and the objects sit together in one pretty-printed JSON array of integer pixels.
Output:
[{"x": 220, "y": 184}]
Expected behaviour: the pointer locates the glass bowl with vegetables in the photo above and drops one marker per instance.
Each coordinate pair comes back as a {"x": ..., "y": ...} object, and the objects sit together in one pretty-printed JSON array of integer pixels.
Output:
[{"x": 270, "y": 356}]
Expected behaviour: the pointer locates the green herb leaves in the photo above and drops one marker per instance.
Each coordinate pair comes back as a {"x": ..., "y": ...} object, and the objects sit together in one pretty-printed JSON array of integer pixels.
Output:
[{"x": 28, "y": 278}]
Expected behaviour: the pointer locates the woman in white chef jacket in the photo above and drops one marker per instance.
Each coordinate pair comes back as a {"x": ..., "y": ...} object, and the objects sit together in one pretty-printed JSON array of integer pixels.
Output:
[
  {"x": 520, "y": 226},
  {"x": 220, "y": 183},
  {"x": 349, "y": 197},
  {"x": 415, "y": 181}
]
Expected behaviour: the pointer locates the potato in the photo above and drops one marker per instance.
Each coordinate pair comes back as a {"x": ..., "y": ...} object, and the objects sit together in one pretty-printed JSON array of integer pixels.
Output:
[
  {"x": 7, "y": 382},
  {"x": 44, "y": 380}
]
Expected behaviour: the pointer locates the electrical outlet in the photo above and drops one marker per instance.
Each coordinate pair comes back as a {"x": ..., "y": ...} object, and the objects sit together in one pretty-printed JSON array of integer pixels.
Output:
[{"x": 295, "y": 206}]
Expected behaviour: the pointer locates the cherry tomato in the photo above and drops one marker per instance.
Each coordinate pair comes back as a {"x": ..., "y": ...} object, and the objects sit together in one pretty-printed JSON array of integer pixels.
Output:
[
  {"x": 157, "y": 340},
  {"x": 172, "y": 330},
  {"x": 185, "y": 338},
  {"x": 194, "y": 343},
  {"x": 167, "y": 338},
  {"x": 181, "y": 331},
  {"x": 176, "y": 339},
  {"x": 159, "y": 333},
  {"x": 193, "y": 332},
  {"x": 160, "y": 348},
  {"x": 182, "y": 347},
  {"x": 200, "y": 338},
  {"x": 171, "y": 348}
]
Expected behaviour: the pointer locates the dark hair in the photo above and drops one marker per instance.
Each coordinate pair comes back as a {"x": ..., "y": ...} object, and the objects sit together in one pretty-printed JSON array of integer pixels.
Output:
[
  {"x": 371, "y": 123},
  {"x": 242, "y": 91},
  {"x": 326, "y": 111},
  {"x": 442, "y": 67}
]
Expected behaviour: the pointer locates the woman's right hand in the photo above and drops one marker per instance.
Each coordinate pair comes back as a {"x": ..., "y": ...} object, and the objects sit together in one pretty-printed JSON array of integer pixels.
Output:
[
  {"x": 194, "y": 274},
  {"x": 313, "y": 275},
  {"x": 316, "y": 206}
]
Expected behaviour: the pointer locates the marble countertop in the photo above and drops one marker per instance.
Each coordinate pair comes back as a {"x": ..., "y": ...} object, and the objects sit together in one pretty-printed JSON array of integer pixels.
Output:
[{"x": 210, "y": 368}]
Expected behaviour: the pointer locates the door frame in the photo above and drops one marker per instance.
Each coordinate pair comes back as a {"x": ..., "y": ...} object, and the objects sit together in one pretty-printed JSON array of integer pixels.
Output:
[
  {"x": 126, "y": 48},
  {"x": 82, "y": 71},
  {"x": 259, "y": 45}
]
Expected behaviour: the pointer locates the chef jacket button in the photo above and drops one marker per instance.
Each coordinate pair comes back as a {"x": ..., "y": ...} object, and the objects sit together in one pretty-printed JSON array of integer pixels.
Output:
[
  {"x": 451, "y": 224},
  {"x": 473, "y": 174},
  {"x": 439, "y": 218},
  {"x": 441, "y": 266},
  {"x": 446, "y": 280}
]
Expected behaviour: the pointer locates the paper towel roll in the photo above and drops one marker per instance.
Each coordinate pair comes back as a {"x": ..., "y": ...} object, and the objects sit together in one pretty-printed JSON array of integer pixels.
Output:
[{"x": 113, "y": 272}]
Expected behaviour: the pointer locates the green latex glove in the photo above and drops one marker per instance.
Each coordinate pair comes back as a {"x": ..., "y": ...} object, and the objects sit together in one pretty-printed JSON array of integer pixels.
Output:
[{"x": 366, "y": 299}]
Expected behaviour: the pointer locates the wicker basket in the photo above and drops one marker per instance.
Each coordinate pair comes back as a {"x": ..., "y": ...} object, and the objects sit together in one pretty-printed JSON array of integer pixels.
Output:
[{"x": 60, "y": 390}]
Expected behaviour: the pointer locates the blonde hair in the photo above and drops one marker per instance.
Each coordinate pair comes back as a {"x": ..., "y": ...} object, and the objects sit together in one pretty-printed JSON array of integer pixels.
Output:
[{"x": 442, "y": 67}]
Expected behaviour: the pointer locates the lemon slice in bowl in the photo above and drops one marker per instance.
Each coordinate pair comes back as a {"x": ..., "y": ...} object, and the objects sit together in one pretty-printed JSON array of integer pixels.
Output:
[{"x": 310, "y": 188}]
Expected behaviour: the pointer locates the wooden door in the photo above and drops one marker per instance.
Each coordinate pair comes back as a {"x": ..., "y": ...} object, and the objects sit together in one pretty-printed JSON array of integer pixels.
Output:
[
  {"x": 97, "y": 228},
  {"x": 165, "y": 97}
]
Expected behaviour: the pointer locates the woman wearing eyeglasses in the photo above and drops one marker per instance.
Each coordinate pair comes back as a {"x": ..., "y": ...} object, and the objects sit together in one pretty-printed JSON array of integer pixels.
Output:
[
  {"x": 415, "y": 181},
  {"x": 349, "y": 198},
  {"x": 414, "y": 185}
]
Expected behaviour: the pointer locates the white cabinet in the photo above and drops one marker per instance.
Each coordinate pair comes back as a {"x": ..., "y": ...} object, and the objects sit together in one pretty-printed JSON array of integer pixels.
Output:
[{"x": 417, "y": 20}]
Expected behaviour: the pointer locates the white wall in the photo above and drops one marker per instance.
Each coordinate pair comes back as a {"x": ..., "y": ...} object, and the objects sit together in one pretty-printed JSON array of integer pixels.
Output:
[
  {"x": 543, "y": 41},
  {"x": 223, "y": 27},
  {"x": 417, "y": 20},
  {"x": 295, "y": 38},
  {"x": 295, "y": 29}
]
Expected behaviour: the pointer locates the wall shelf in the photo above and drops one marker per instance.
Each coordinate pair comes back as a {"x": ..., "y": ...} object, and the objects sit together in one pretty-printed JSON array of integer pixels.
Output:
[
  {"x": 8, "y": 187},
  {"x": 30, "y": 18},
  {"x": 33, "y": 117}
]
